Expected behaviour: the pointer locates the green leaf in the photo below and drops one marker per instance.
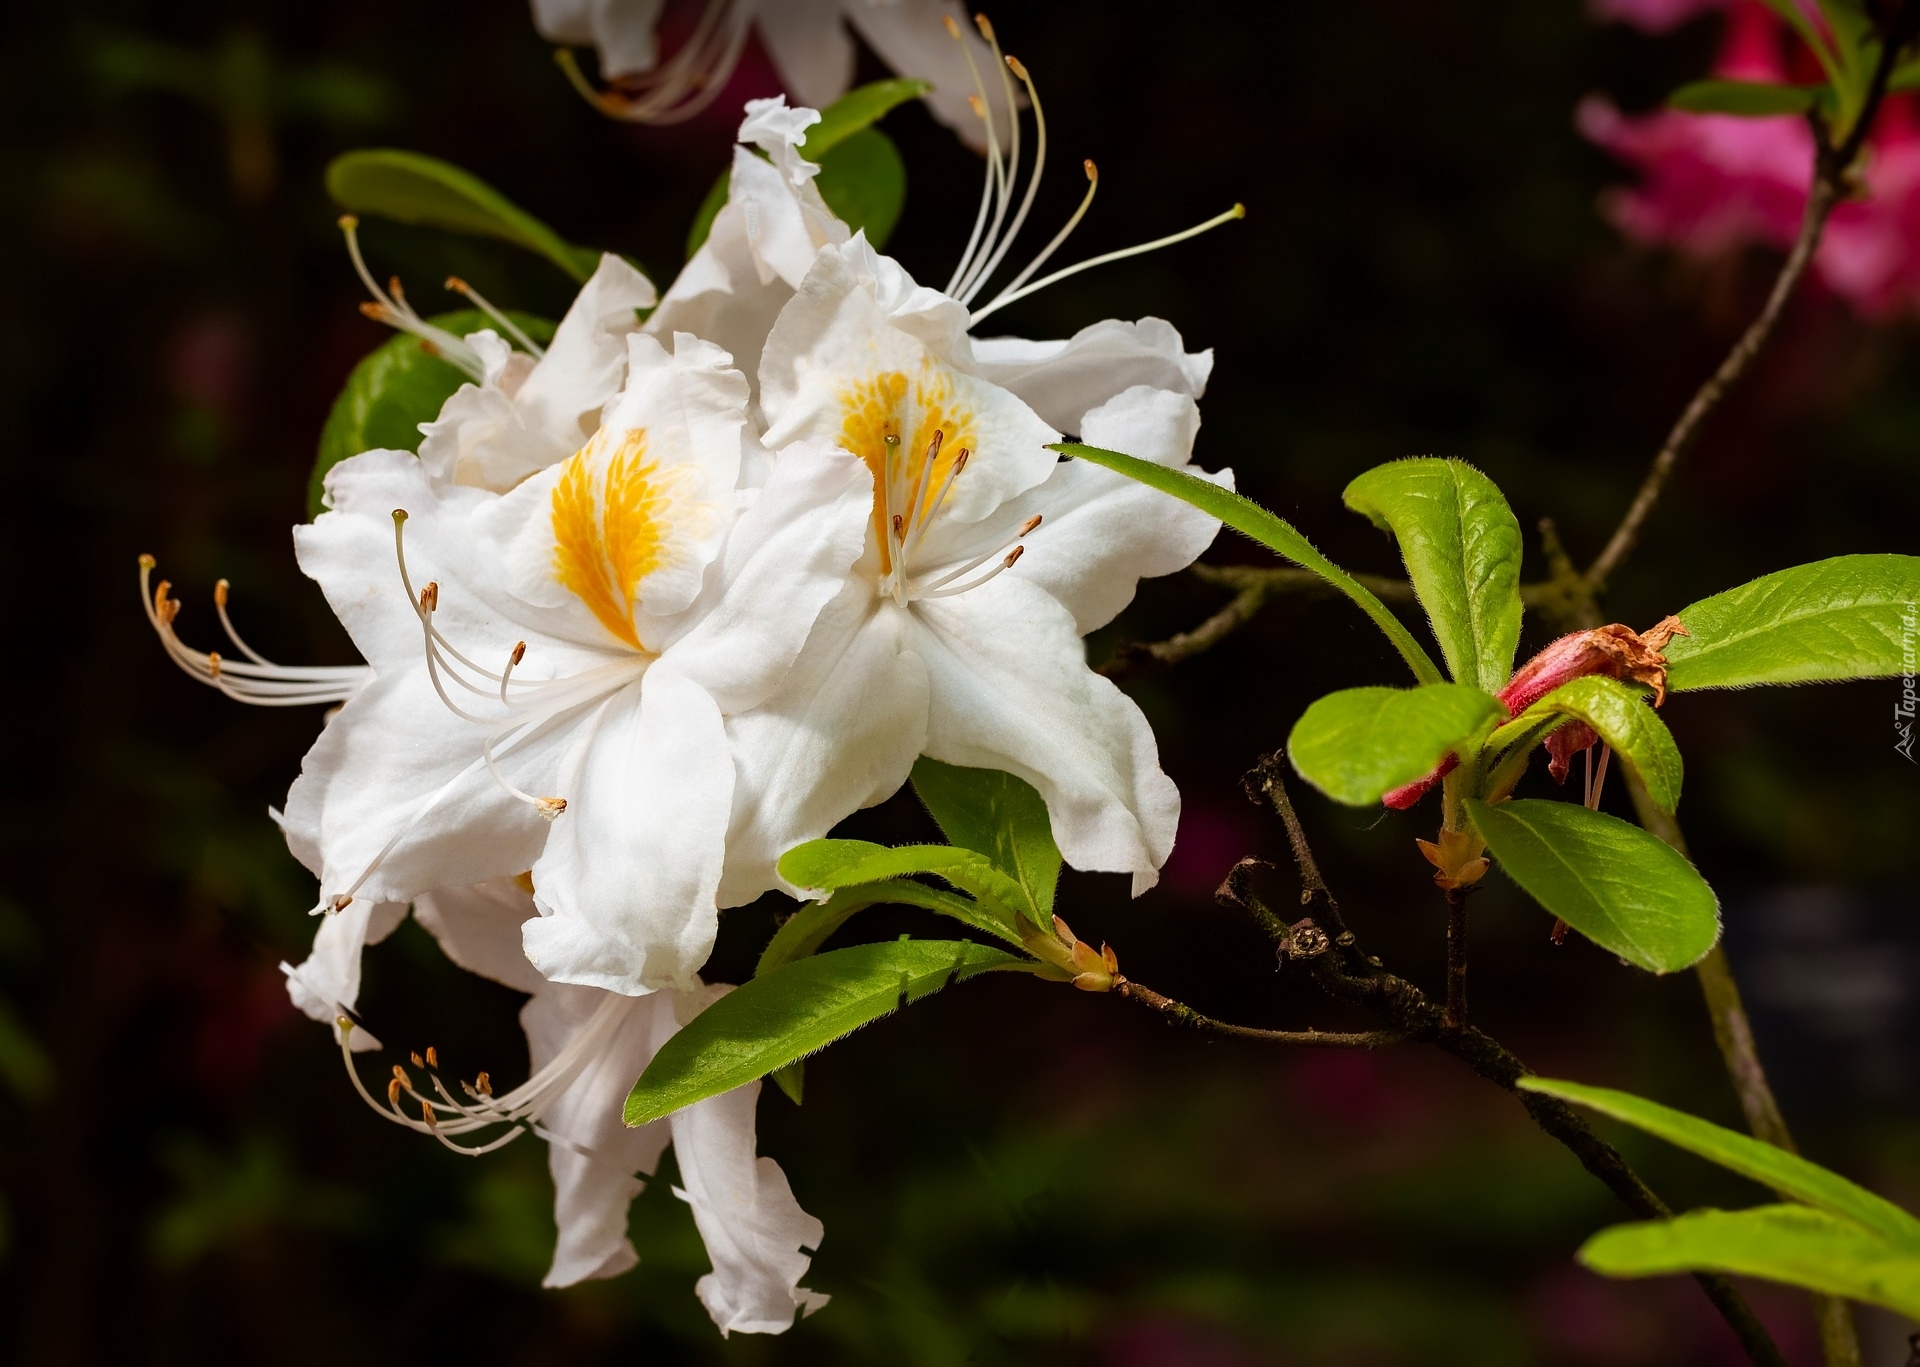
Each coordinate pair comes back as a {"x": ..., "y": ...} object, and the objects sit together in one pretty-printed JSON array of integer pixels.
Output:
[
  {"x": 1843, "y": 618},
  {"x": 1611, "y": 881},
  {"x": 1906, "y": 76},
  {"x": 856, "y": 111},
  {"x": 396, "y": 387},
  {"x": 830, "y": 865},
  {"x": 410, "y": 187},
  {"x": 1749, "y": 99},
  {"x": 864, "y": 182},
  {"x": 867, "y": 188},
  {"x": 1249, "y": 518},
  {"x": 1361, "y": 743},
  {"x": 808, "y": 928},
  {"x": 795, "y": 1010},
  {"x": 1620, "y": 715},
  {"x": 1790, "y": 1244},
  {"x": 1000, "y": 816},
  {"x": 1789, "y": 1174},
  {"x": 1461, "y": 543}
]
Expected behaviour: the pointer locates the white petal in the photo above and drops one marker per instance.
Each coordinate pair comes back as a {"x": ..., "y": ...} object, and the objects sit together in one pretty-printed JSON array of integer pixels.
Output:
[
  {"x": 841, "y": 734},
  {"x": 758, "y": 1237},
  {"x": 1063, "y": 380},
  {"x": 585, "y": 362},
  {"x": 911, "y": 37},
  {"x": 1011, "y": 691},
  {"x": 482, "y": 439},
  {"x": 479, "y": 928},
  {"x": 593, "y": 1156},
  {"x": 626, "y": 884},
  {"x": 329, "y": 978},
  {"x": 785, "y": 559},
  {"x": 394, "y": 763},
  {"x": 1101, "y": 532},
  {"x": 622, "y": 30},
  {"x": 810, "y": 48},
  {"x": 848, "y": 331}
]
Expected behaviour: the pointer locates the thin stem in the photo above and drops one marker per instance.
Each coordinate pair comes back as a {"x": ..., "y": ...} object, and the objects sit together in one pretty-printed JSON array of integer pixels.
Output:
[
  {"x": 1181, "y": 1014},
  {"x": 1132, "y": 659}
]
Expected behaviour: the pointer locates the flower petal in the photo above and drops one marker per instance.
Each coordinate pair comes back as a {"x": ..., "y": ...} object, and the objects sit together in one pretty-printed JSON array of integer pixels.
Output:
[
  {"x": 622, "y": 30},
  {"x": 328, "y": 979},
  {"x": 478, "y": 927},
  {"x": 1011, "y": 691},
  {"x": 841, "y": 734},
  {"x": 810, "y": 48},
  {"x": 785, "y": 560},
  {"x": 758, "y": 1237},
  {"x": 627, "y": 880},
  {"x": 1063, "y": 380},
  {"x": 912, "y": 38}
]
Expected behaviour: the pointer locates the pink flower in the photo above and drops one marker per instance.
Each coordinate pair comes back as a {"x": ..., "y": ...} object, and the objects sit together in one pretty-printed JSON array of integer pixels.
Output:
[
  {"x": 1652, "y": 16},
  {"x": 1712, "y": 183}
]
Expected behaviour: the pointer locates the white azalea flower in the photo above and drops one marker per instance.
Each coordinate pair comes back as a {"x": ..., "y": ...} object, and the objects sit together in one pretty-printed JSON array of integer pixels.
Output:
[
  {"x": 528, "y": 408},
  {"x": 585, "y": 1047},
  {"x": 552, "y": 665},
  {"x": 808, "y": 41}
]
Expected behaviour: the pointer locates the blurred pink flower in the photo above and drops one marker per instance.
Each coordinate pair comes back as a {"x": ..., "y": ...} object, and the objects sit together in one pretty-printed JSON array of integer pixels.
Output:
[
  {"x": 1652, "y": 16},
  {"x": 1712, "y": 183}
]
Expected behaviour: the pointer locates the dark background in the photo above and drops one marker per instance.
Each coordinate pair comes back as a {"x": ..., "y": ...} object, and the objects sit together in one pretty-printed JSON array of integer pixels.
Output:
[{"x": 1011, "y": 1172}]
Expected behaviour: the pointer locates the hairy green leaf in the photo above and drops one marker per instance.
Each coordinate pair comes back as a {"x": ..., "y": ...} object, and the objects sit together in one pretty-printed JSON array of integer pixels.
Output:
[
  {"x": 795, "y": 1010},
  {"x": 1000, "y": 816},
  {"x": 867, "y": 188},
  {"x": 1245, "y": 516},
  {"x": 1842, "y": 618},
  {"x": 411, "y": 187},
  {"x": 396, "y": 387},
  {"x": 1461, "y": 543},
  {"x": 830, "y": 865},
  {"x": 1619, "y": 714},
  {"x": 1790, "y": 1244},
  {"x": 1361, "y": 743},
  {"x": 1611, "y": 881},
  {"x": 1789, "y": 1174},
  {"x": 1749, "y": 99},
  {"x": 808, "y": 928}
]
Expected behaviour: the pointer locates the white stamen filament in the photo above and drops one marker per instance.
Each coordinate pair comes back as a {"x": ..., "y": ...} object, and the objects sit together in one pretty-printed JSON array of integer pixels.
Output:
[
  {"x": 992, "y": 263},
  {"x": 994, "y": 190},
  {"x": 1011, "y": 550},
  {"x": 260, "y": 682},
  {"x": 686, "y": 82},
  {"x": 520, "y": 1110},
  {"x": 958, "y": 589},
  {"x": 507, "y": 325},
  {"x": 394, "y": 310}
]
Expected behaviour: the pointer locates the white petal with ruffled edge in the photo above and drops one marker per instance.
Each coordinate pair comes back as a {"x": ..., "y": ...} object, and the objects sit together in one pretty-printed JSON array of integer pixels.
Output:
[
  {"x": 1063, "y": 380},
  {"x": 327, "y": 981}
]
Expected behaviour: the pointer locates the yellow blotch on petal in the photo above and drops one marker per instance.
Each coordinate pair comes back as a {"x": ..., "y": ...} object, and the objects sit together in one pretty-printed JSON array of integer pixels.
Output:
[
  {"x": 612, "y": 530},
  {"x": 891, "y": 422}
]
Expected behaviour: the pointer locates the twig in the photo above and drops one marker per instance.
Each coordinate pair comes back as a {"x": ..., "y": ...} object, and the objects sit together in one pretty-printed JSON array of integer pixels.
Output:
[
  {"x": 1832, "y": 166},
  {"x": 1456, "y": 1012},
  {"x": 1181, "y": 1014}
]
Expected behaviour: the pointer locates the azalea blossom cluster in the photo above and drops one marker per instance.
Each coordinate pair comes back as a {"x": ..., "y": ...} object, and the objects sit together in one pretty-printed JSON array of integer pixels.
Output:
[
  {"x": 1713, "y": 183},
  {"x": 661, "y": 600}
]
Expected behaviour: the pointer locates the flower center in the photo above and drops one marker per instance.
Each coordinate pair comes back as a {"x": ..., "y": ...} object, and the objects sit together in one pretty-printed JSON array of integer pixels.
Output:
[{"x": 915, "y": 440}]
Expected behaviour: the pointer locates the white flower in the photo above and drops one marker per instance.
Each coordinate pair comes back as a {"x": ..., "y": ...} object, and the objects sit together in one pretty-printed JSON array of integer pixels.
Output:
[
  {"x": 807, "y": 40},
  {"x": 586, "y": 1046},
  {"x": 552, "y": 667},
  {"x": 940, "y": 645}
]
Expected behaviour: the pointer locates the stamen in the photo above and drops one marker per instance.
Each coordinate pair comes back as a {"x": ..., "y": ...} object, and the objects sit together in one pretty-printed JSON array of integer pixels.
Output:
[
  {"x": 393, "y": 310},
  {"x": 992, "y": 263},
  {"x": 927, "y": 590},
  {"x": 1005, "y": 565},
  {"x": 1093, "y": 185},
  {"x": 507, "y": 325},
  {"x": 995, "y": 189},
  {"x": 1011, "y": 296}
]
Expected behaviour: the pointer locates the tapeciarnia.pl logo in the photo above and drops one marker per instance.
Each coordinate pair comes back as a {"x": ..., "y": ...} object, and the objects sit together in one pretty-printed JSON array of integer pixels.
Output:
[{"x": 1903, "y": 711}]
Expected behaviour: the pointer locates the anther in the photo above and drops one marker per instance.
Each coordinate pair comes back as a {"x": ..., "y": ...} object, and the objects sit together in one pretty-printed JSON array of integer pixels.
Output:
[
  {"x": 147, "y": 562},
  {"x": 348, "y": 222},
  {"x": 426, "y": 1114},
  {"x": 430, "y": 596},
  {"x": 1014, "y": 65},
  {"x": 456, "y": 284},
  {"x": 343, "y": 901},
  {"x": 380, "y": 313},
  {"x": 220, "y": 588},
  {"x": 418, "y": 1062},
  {"x": 1093, "y": 172},
  {"x": 1012, "y": 556},
  {"x": 519, "y": 652},
  {"x": 433, "y": 1057},
  {"x": 393, "y": 1093},
  {"x": 483, "y": 1085},
  {"x": 396, "y": 290},
  {"x": 975, "y": 103},
  {"x": 550, "y": 807},
  {"x": 1030, "y": 524},
  {"x": 400, "y": 1074},
  {"x": 899, "y": 528},
  {"x": 213, "y": 664},
  {"x": 952, "y": 28},
  {"x": 986, "y": 29}
]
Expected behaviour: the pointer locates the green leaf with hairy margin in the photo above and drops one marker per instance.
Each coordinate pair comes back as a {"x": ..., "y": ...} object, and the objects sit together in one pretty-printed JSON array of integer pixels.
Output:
[
  {"x": 1748, "y": 99},
  {"x": 1790, "y": 1244},
  {"x": 799, "y": 1008},
  {"x": 396, "y": 387},
  {"x": 1617, "y": 885},
  {"x": 867, "y": 188},
  {"x": 1787, "y": 1173},
  {"x": 1000, "y": 816},
  {"x": 1249, "y": 518},
  {"x": 830, "y": 865},
  {"x": 1461, "y": 543},
  {"x": 808, "y": 928},
  {"x": 1361, "y": 743},
  {"x": 1842, "y": 618},
  {"x": 1619, "y": 713},
  {"x": 411, "y": 187}
]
